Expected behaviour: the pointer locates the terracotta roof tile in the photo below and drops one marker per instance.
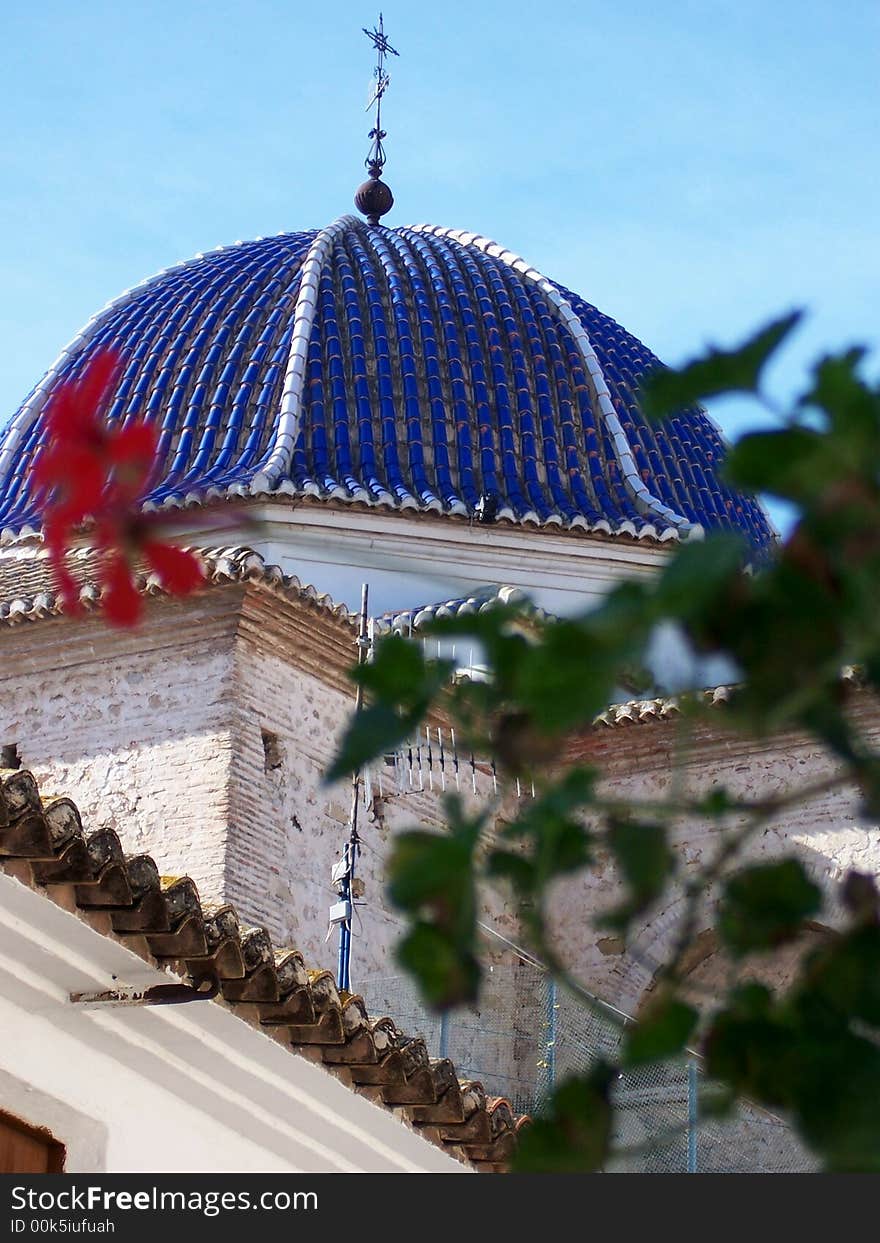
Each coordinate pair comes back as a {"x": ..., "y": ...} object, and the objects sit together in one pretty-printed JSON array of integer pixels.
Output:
[
  {"x": 27, "y": 586},
  {"x": 406, "y": 621},
  {"x": 644, "y": 711}
]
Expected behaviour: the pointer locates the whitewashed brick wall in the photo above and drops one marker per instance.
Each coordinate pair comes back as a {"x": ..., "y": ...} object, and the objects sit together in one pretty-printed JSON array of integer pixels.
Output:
[
  {"x": 134, "y": 726},
  {"x": 828, "y": 832},
  {"x": 157, "y": 733},
  {"x": 287, "y": 829}
]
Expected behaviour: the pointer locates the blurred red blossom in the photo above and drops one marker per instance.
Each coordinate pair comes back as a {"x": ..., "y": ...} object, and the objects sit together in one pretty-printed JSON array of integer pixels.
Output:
[
  {"x": 126, "y": 538},
  {"x": 90, "y": 471}
]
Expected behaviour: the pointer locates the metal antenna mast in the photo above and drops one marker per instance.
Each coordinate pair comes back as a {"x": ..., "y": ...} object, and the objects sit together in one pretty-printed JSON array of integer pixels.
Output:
[{"x": 343, "y": 873}]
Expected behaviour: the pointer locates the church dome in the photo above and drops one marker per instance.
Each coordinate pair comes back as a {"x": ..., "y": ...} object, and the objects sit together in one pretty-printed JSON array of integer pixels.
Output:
[{"x": 414, "y": 368}]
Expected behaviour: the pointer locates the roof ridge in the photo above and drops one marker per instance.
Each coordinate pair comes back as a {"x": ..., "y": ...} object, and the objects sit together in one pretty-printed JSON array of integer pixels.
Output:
[
  {"x": 403, "y": 621},
  {"x": 277, "y": 462},
  {"x": 663, "y": 707},
  {"x": 566, "y": 313}
]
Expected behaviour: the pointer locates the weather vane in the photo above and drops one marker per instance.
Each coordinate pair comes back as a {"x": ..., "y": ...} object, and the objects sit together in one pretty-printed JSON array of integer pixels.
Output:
[{"x": 374, "y": 198}]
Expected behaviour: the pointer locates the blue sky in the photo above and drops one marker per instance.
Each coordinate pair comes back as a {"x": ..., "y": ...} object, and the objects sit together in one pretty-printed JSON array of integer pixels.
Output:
[{"x": 691, "y": 168}]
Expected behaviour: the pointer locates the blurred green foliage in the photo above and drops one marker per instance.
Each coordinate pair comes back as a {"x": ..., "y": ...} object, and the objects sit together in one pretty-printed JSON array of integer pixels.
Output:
[{"x": 789, "y": 626}]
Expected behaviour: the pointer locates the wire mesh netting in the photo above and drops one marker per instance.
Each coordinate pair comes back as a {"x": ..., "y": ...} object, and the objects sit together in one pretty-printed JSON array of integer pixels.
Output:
[{"x": 525, "y": 1036}]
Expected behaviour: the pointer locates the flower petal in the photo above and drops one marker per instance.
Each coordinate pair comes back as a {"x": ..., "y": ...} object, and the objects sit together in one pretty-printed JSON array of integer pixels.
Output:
[
  {"x": 93, "y": 387},
  {"x": 179, "y": 571},
  {"x": 120, "y": 598},
  {"x": 131, "y": 453}
]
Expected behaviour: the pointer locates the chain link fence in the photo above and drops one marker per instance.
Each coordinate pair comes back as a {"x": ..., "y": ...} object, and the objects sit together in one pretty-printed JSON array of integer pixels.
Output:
[{"x": 526, "y": 1035}]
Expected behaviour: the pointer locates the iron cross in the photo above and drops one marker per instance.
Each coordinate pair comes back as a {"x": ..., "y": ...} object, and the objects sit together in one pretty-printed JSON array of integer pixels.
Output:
[{"x": 376, "y": 158}]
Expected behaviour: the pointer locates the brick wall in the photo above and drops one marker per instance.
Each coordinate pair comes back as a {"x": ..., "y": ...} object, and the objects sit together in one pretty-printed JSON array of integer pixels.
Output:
[
  {"x": 287, "y": 829},
  {"x": 134, "y": 726},
  {"x": 202, "y": 738},
  {"x": 829, "y": 832}
]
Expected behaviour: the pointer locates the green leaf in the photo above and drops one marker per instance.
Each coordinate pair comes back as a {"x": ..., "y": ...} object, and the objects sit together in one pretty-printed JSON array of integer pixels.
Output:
[
  {"x": 795, "y": 1055},
  {"x": 861, "y": 897},
  {"x": 517, "y": 870},
  {"x": 662, "y": 1032},
  {"x": 370, "y": 732},
  {"x": 557, "y": 841},
  {"x": 791, "y": 463},
  {"x": 399, "y": 674},
  {"x": 716, "y": 1100},
  {"x": 749, "y": 1047},
  {"x": 429, "y": 869},
  {"x": 866, "y": 770},
  {"x": 716, "y": 372},
  {"x": 642, "y": 854},
  {"x": 520, "y": 748},
  {"x": 573, "y": 1134},
  {"x": 718, "y": 803},
  {"x": 568, "y": 676},
  {"x": 834, "y": 1088},
  {"x": 402, "y": 685},
  {"x": 446, "y": 971},
  {"x": 844, "y": 977},
  {"x": 504, "y": 632},
  {"x": 431, "y": 878},
  {"x": 698, "y": 574},
  {"x": 852, "y": 407},
  {"x": 765, "y": 905}
]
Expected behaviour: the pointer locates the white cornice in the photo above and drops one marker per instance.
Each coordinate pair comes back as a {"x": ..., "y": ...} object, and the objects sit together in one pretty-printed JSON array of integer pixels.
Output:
[{"x": 327, "y": 536}]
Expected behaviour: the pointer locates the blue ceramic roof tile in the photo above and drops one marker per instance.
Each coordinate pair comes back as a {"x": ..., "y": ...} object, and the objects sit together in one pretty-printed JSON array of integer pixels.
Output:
[{"x": 419, "y": 370}]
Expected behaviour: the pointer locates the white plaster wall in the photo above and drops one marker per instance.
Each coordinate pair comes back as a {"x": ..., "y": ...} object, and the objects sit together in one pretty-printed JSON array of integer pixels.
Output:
[
  {"x": 188, "y": 1088},
  {"x": 135, "y": 1126}
]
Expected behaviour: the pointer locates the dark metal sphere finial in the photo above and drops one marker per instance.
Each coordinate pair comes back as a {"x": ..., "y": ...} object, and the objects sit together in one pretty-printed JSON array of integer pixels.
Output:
[{"x": 374, "y": 198}]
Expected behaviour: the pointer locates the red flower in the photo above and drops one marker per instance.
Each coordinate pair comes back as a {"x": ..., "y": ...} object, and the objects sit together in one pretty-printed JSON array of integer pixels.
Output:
[
  {"x": 178, "y": 570},
  {"x": 85, "y": 463},
  {"x": 126, "y": 537},
  {"x": 89, "y": 470},
  {"x": 56, "y": 531},
  {"x": 121, "y": 599}
]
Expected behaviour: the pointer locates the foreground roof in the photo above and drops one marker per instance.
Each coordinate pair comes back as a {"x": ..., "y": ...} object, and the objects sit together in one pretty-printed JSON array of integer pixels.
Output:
[
  {"x": 416, "y": 368},
  {"x": 162, "y": 918}
]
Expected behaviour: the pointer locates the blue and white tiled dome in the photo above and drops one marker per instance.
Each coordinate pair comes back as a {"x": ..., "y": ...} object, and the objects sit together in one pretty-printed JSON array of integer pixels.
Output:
[{"x": 416, "y": 368}]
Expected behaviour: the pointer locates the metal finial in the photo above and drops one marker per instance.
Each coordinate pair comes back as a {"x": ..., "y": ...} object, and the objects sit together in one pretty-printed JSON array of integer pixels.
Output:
[{"x": 374, "y": 198}]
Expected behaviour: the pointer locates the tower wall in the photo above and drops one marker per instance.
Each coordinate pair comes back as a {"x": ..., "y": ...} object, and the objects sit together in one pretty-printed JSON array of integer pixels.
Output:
[
  {"x": 290, "y": 703},
  {"x": 203, "y": 736},
  {"x": 829, "y": 832},
  {"x": 135, "y": 726}
]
